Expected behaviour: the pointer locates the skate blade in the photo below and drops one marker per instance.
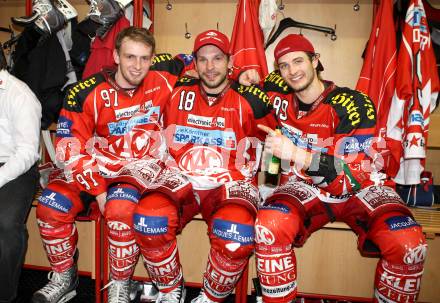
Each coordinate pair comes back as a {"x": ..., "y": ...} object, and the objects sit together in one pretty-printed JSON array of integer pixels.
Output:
[
  {"x": 124, "y": 3},
  {"x": 67, "y": 297},
  {"x": 25, "y": 20}
]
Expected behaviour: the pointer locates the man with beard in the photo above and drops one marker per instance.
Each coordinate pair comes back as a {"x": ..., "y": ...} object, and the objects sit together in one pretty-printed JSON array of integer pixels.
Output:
[
  {"x": 326, "y": 146},
  {"x": 213, "y": 137},
  {"x": 107, "y": 143}
]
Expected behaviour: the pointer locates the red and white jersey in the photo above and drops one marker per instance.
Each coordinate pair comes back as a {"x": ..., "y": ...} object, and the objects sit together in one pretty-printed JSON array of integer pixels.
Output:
[
  {"x": 417, "y": 88},
  {"x": 339, "y": 129},
  {"x": 214, "y": 141},
  {"x": 103, "y": 127}
]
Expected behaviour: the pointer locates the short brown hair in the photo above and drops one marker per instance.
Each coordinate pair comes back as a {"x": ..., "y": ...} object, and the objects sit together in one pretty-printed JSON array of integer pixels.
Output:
[{"x": 136, "y": 34}]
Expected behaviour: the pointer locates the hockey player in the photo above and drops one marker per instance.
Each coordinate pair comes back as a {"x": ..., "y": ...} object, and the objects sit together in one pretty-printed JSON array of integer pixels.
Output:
[
  {"x": 327, "y": 134},
  {"x": 212, "y": 127},
  {"x": 105, "y": 139}
]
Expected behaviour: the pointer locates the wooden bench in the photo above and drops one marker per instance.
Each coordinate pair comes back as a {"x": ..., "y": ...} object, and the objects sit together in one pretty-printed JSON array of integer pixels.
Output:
[{"x": 329, "y": 264}]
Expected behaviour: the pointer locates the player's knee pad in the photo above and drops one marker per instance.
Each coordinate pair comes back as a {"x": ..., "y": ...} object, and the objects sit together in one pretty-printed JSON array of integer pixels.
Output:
[
  {"x": 123, "y": 250},
  {"x": 119, "y": 208},
  {"x": 399, "y": 238},
  {"x": 276, "y": 226},
  {"x": 231, "y": 231},
  {"x": 57, "y": 229},
  {"x": 156, "y": 222},
  {"x": 58, "y": 204},
  {"x": 121, "y": 203}
]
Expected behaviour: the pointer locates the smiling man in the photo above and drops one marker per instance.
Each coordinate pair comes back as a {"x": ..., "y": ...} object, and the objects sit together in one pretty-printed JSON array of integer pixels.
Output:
[
  {"x": 212, "y": 122},
  {"x": 326, "y": 148},
  {"x": 106, "y": 141}
]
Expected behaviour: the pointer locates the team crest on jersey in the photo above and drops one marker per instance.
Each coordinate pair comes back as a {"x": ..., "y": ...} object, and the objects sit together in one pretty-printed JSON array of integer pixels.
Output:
[
  {"x": 200, "y": 158},
  {"x": 243, "y": 190},
  {"x": 205, "y": 121},
  {"x": 376, "y": 196}
]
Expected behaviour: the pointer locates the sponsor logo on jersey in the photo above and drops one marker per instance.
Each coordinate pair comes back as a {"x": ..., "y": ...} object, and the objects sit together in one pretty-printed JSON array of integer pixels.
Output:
[
  {"x": 125, "y": 126},
  {"x": 306, "y": 141},
  {"x": 64, "y": 127},
  {"x": 55, "y": 201},
  {"x": 256, "y": 91},
  {"x": 401, "y": 222},
  {"x": 162, "y": 58},
  {"x": 132, "y": 110},
  {"x": 319, "y": 125},
  {"x": 126, "y": 112},
  {"x": 151, "y": 90},
  {"x": 224, "y": 139},
  {"x": 230, "y": 231},
  {"x": 355, "y": 144},
  {"x": 149, "y": 225},
  {"x": 276, "y": 79},
  {"x": 71, "y": 95},
  {"x": 352, "y": 108},
  {"x": 206, "y": 121},
  {"x": 122, "y": 193},
  {"x": 416, "y": 118},
  {"x": 186, "y": 58}
]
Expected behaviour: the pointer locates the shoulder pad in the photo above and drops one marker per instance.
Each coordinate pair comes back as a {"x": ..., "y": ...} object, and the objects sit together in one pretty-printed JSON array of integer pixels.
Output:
[
  {"x": 78, "y": 92},
  {"x": 354, "y": 109},
  {"x": 256, "y": 97},
  {"x": 186, "y": 81},
  {"x": 275, "y": 83},
  {"x": 166, "y": 63}
]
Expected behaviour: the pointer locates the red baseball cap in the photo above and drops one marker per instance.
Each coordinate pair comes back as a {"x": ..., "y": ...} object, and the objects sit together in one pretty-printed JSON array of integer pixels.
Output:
[
  {"x": 212, "y": 37},
  {"x": 294, "y": 43}
]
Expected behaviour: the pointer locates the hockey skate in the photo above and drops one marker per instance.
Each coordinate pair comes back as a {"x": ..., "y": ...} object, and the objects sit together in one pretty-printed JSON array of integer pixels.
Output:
[
  {"x": 106, "y": 13},
  {"x": 201, "y": 298},
  {"x": 118, "y": 291},
  {"x": 66, "y": 9},
  {"x": 48, "y": 17},
  {"x": 61, "y": 287},
  {"x": 177, "y": 295},
  {"x": 124, "y": 3}
]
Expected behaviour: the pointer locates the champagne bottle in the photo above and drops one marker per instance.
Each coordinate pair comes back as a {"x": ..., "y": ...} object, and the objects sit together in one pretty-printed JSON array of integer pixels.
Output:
[
  {"x": 275, "y": 162},
  {"x": 273, "y": 169}
]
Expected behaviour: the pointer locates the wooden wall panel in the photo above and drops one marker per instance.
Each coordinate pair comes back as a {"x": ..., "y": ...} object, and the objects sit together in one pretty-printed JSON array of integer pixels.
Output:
[{"x": 341, "y": 58}]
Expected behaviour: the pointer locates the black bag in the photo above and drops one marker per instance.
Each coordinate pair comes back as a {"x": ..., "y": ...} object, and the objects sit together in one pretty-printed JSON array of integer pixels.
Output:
[{"x": 420, "y": 194}]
